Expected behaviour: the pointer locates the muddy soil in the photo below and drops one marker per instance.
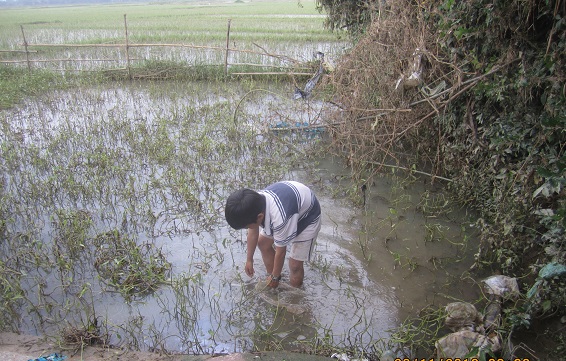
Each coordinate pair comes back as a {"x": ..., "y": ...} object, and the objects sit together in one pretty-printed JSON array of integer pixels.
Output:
[{"x": 17, "y": 347}]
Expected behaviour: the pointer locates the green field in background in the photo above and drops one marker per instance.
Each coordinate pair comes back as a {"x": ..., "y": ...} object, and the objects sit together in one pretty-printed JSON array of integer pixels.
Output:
[{"x": 187, "y": 22}]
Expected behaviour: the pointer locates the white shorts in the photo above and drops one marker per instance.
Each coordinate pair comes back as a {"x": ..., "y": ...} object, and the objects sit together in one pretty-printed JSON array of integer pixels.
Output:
[{"x": 302, "y": 251}]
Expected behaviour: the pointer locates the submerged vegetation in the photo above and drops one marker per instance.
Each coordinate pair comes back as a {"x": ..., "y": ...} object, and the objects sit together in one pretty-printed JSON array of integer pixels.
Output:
[{"x": 96, "y": 187}]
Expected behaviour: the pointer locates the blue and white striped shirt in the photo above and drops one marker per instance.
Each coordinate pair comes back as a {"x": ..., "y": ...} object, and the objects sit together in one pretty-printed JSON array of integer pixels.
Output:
[{"x": 292, "y": 213}]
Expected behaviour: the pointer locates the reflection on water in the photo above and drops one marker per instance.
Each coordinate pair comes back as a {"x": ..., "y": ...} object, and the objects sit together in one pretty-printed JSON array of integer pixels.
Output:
[{"x": 155, "y": 162}]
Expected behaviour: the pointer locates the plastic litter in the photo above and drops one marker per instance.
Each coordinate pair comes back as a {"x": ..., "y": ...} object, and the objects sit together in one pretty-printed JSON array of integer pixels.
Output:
[
  {"x": 462, "y": 315},
  {"x": 52, "y": 357},
  {"x": 413, "y": 78},
  {"x": 549, "y": 271},
  {"x": 502, "y": 286},
  {"x": 474, "y": 334},
  {"x": 345, "y": 357},
  {"x": 304, "y": 94},
  {"x": 552, "y": 270},
  {"x": 460, "y": 344},
  {"x": 311, "y": 131}
]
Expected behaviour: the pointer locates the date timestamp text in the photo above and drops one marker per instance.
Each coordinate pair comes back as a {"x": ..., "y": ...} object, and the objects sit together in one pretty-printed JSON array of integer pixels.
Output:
[{"x": 459, "y": 359}]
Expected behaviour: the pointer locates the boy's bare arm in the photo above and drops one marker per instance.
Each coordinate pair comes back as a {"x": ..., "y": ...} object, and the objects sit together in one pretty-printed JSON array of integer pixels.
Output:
[
  {"x": 279, "y": 260},
  {"x": 252, "y": 239}
]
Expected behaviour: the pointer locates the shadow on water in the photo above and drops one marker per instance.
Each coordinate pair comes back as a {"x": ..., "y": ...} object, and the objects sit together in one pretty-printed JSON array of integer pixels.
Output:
[{"x": 102, "y": 181}]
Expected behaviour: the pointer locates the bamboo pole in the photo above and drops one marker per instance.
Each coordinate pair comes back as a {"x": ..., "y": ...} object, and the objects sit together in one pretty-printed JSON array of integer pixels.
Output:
[
  {"x": 273, "y": 66},
  {"x": 433, "y": 176},
  {"x": 127, "y": 49},
  {"x": 227, "y": 48},
  {"x": 17, "y": 51},
  {"x": 142, "y": 45},
  {"x": 272, "y": 73},
  {"x": 62, "y": 60},
  {"x": 26, "y": 48}
]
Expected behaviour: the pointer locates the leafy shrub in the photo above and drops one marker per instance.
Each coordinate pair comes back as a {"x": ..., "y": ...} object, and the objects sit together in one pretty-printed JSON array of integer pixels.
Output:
[{"x": 489, "y": 113}]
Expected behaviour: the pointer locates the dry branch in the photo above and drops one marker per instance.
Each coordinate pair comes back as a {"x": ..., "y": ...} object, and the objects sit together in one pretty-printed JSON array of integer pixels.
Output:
[
  {"x": 272, "y": 73},
  {"x": 410, "y": 170},
  {"x": 64, "y": 60},
  {"x": 379, "y": 118}
]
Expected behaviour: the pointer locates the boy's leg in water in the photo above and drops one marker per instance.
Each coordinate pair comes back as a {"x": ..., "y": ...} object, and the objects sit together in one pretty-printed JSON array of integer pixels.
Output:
[
  {"x": 300, "y": 253},
  {"x": 297, "y": 270}
]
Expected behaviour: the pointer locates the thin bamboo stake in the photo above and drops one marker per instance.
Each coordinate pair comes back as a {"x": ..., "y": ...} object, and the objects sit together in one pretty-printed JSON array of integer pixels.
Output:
[
  {"x": 146, "y": 45},
  {"x": 227, "y": 48},
  {"x": 280, "y": 57},
  {"x": 410, "y": 170},
  {"x": 63, "y": 60},
  {"x": 272, "y": 73},
  {"x": 26, "y": 47},
  {"x": 306, "y": 127},
  {"x": 127, "y": 49},
  {"x": 17, "y": 51},
  {"x": 272, "y": 66}
]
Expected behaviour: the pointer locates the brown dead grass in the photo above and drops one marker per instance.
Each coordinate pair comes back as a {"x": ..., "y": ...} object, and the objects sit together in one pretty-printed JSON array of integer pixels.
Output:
[{"x": 381, "y": 108}]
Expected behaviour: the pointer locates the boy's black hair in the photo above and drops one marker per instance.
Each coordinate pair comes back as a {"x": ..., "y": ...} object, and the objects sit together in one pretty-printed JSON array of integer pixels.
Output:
[{"x": 242, "y": 208}]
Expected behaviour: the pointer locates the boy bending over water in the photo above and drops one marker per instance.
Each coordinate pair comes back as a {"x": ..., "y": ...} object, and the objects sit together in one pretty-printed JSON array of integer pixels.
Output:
[{"x": 283, "y": 214}]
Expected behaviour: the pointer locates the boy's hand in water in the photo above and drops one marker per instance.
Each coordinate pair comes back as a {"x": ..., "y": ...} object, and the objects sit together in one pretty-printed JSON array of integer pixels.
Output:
[
  {"x": 250, "y": 268},
  {"x": 272, "y": 281}
]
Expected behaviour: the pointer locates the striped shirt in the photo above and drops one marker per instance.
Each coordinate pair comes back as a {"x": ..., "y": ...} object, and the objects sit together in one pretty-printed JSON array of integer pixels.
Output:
[{"x": 292, "y": 213}]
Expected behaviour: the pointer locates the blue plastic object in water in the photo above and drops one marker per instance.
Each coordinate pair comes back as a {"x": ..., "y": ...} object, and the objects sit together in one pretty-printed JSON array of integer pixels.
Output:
[{"x": 52, "y": 357}]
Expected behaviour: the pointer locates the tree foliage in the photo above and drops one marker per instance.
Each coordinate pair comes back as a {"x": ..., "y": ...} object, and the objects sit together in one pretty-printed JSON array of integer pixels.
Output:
[{"x": 350, "y": 15}]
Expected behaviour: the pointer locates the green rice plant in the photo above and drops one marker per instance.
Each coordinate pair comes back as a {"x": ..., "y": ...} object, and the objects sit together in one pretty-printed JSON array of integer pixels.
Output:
[
  {"x": 130, "y": 268},
  {"x": 434, "y": 232},
  {"x": 72, "y": 232},
  {"x": 416, "y": 336},
  {"x": 17, "y": 84},
  {"x": 402, "y": 201},
  {"x": 434, "y": 204},
  {"x": 189, "y": 292},
  {"x": 404, "y": 261},
  {"x": 11, "y": 297}
]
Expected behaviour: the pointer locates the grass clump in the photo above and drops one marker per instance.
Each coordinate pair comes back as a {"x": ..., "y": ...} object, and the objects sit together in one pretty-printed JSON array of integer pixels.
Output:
[
  {"x": 89, "y": 333},
  {"x": 19, "y": 83},
  {"x": 72, "y": 232},
  {"x": 130, "y": 268}
]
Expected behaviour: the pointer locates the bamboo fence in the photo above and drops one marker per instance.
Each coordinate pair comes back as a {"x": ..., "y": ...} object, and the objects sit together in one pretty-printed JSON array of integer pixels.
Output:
[{"x": 126, "y": 45}]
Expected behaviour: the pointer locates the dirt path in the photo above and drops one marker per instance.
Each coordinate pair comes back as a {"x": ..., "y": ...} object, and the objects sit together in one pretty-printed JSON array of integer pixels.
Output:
[{"x": 15, "y": 347}]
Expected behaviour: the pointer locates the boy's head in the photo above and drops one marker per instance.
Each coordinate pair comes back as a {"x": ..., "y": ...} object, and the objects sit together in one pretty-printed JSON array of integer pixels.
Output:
[{"x": 243, "y": 207}]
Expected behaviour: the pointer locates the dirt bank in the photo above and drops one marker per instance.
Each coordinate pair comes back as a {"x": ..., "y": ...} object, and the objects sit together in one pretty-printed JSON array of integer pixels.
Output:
[{"x": 15, "y": 347}]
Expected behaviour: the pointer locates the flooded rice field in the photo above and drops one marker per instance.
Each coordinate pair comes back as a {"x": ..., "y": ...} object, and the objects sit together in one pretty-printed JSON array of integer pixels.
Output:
[{"x": 112, "y": 224}]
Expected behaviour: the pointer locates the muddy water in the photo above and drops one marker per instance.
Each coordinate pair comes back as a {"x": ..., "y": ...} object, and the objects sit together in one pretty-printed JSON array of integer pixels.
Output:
[
  {"x": 410, "y": 239},
  {"x": 375, "y": 263}
]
